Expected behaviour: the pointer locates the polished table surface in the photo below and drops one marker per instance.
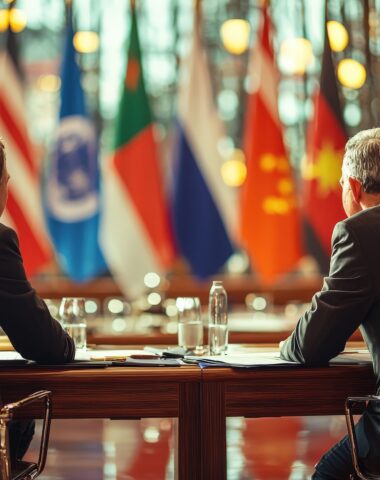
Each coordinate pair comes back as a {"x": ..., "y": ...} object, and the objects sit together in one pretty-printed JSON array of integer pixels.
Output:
[
  {"x": 200, "y": 399},
  {"x": 122, "y": 393},
  {"x": 271, "y": 392}
]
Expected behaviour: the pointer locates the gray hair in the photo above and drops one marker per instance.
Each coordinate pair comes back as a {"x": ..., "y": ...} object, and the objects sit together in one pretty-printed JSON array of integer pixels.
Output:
[{"x": 362, "y": 159}]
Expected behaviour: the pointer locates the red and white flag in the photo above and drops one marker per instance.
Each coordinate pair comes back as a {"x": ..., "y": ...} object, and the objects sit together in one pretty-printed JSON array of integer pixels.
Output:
[{"x": 24, "y": 207}]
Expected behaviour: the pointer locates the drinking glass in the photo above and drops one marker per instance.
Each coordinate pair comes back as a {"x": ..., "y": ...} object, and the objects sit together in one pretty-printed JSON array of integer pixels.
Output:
[
  {"x": 190, "y": 327},
  {"x": 73, "y": 319}
]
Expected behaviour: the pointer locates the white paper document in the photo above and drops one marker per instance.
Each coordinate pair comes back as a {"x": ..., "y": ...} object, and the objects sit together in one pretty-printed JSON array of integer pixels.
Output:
[
  {"x": 272, "y": 359},
  {"x": 353, "y": 356},
  {"x": 107, "y": 354},
  {"x": 244, "y": 360},
  {"x": 10, "y": 356}
]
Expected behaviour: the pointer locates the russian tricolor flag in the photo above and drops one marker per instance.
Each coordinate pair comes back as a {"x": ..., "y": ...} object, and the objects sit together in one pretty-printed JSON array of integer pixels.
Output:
[{"x": 204, "y": 208}]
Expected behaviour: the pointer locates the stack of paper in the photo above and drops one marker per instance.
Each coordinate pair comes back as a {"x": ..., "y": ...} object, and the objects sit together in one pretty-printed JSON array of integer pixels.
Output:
[{"x": 272, "y": 359}]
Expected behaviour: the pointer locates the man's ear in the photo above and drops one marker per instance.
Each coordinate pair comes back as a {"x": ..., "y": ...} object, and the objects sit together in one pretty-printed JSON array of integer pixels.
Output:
[{"x": 356, "y": 188}]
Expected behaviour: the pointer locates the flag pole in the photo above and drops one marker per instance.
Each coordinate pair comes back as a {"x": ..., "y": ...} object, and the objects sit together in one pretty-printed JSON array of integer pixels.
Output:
[
  {"x": 197, "y": 13},
  {"x": 264, "y": 4},
  {"x": 198, "y": 6}
]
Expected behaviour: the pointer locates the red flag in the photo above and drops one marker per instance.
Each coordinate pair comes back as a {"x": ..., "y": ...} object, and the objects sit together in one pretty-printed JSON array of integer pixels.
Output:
[
  {"x": 270, "y": 225},
  {"x": 24, "y": 208},
  {"x": 322, "y": 169}
]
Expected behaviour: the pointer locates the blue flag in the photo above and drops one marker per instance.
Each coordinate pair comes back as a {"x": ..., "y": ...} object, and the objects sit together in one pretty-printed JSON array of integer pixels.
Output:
[
  {"x": 72, "y": 189},
  {"x": 204, "y": 208}
]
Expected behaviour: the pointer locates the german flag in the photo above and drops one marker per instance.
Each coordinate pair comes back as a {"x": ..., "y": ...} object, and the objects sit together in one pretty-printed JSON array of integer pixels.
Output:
[{"x": 322, "y": 205}]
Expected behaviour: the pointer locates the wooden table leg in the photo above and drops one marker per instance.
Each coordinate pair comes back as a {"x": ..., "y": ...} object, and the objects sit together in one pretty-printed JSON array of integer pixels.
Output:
[
  {"x": 189, "y": 432},
  {"x": 213, "y": 421}
]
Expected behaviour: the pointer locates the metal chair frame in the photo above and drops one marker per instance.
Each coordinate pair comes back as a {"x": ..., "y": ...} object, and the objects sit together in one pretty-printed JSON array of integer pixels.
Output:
[
  {"x": 24, "y": 470},
  {"x": 350, "y": 403}
]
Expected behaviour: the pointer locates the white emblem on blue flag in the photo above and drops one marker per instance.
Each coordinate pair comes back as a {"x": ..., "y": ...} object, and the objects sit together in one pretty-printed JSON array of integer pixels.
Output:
[{"x": 72, "y": 185}]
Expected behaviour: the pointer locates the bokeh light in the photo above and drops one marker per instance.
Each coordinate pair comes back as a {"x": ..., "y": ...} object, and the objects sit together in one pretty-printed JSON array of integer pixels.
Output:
[
  {"x": 86, "y": 42},
  {"x": 17, "y": 20},
  {"x": 235, "y": 35},
  {"x": 49, "y": 83},
  {"x": 351, "y": 73},
  {"x": 295, "y": 55},
  {"x": 234, "y": 170},
  {"x": 338, "y": 35},
  {"x": 14, "y": 18}
]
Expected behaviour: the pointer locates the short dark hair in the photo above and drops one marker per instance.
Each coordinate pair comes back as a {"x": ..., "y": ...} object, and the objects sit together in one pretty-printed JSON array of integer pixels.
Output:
[
  {"x": 2, "y": 158},
  {"x": 362, "y": 159}
]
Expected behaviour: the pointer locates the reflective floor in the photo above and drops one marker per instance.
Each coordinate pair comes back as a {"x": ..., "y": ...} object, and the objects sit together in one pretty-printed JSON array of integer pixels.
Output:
[{"x": 260, "y": 449}]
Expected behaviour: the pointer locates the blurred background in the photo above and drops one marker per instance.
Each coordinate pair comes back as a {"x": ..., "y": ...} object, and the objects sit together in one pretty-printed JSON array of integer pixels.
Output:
[
  {"x": 209, "y": 141},
  {"x": 157, "y": 145}
]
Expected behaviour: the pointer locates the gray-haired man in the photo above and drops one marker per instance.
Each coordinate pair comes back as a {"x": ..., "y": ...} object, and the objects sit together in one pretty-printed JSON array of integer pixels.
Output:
[{"x": 350, "y": 296}]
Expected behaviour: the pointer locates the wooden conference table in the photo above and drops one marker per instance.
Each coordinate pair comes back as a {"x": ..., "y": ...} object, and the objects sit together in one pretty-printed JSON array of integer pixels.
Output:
[
  {"x": 200, "y": 399},
  {"x": 120, "y": 393},
  {"x": 269, "y": 393}
]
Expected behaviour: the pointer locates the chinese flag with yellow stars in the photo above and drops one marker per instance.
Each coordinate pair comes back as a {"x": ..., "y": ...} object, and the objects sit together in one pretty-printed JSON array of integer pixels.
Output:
[
  {"x": 322, "y": 167},
  {"x": 270, "y": 223}
]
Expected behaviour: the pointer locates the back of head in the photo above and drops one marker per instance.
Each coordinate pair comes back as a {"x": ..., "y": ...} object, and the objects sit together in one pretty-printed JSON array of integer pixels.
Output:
[{"x": 362, "y": 159}]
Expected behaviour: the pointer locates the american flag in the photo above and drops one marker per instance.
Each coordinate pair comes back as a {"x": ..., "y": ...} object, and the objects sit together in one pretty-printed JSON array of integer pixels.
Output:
[{"x": 24, "y": 207}]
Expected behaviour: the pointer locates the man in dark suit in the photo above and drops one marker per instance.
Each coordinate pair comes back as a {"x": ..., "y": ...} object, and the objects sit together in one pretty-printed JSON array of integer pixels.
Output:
[
  {"x": 350, "y": 296},
  {"x": 24, "y": 317}
]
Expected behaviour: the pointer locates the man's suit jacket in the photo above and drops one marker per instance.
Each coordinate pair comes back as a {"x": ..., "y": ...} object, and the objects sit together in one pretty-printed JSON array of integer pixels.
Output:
[
  {"x": 350, "y": 298},
  {"x": 24, "y": 317}
]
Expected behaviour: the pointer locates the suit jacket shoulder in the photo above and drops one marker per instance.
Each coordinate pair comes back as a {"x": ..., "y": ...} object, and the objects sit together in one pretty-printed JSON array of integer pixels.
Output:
[
  {"x": 11, "y": 265},
  {"x": 365, "y": 228},
  {"x": 24, "y": 317},
  {"x": 349, "y": 297}
]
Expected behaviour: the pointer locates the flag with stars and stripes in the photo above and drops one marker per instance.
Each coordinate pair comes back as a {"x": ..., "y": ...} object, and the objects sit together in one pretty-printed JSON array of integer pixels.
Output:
[{"x": 24, "y": 210}]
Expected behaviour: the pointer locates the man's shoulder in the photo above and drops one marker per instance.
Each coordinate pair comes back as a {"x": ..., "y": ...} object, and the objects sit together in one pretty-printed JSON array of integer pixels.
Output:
[
  {"x": 4, "y": 230},
  {"x": 366, "y": 218},
  {"x": 11, "y": 264},
  {"x": 8, "y": 234},
  {"x": 364, "y": 226}
]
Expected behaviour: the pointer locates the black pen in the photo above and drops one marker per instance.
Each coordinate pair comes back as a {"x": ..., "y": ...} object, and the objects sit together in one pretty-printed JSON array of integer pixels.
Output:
[{"x": 190, "y": 361}]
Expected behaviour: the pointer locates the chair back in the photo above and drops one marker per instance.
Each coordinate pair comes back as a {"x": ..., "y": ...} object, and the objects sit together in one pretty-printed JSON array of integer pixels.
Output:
[
  {"x": 350, "y": 405},
  {"x": 23, "y": 470}
]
